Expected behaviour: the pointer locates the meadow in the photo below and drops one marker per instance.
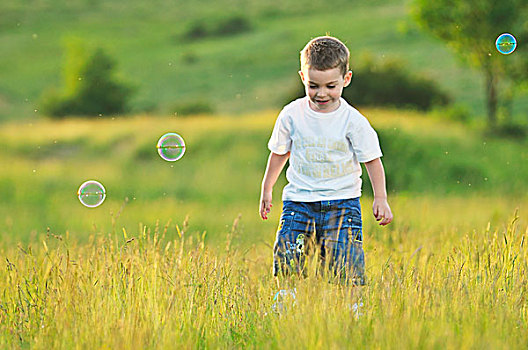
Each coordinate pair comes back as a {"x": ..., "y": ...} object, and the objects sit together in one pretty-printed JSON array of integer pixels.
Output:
[
  {"x": 236, "y": 73},
  {"x": 460, "y": 292},
  {"x": 177, "y": 257}
]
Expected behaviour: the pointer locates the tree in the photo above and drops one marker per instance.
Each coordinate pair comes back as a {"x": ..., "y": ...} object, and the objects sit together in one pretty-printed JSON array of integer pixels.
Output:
[
  {"x": 470, "y": 27},
  {"x": 90, "y": 85}
]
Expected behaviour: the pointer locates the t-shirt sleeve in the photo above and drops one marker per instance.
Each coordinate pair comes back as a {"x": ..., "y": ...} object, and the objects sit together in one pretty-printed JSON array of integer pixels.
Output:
[
  {"x": 364, "y": 140},
  {"x": 280, "y": 140}
]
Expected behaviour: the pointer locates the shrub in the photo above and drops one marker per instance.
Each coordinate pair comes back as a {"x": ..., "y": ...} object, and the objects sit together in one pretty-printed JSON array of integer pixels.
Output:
[
  {"x": 389, "y": 84},
  {"x": 90, "y": 87},
  {"x": 227, "y": 27},
  {"x": 455, "y": 112},
  {"x": 415, "y": 164},
  {"x": 192, "y": 107},
  {"x": 197, "y": 30},
  {"x": 232, "y": 26},
  {"x": 508, "y": 130}
]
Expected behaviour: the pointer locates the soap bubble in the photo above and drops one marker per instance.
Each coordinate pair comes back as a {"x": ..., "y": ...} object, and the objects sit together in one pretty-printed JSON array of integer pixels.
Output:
[
  {"x": 506, "y": 43},
  {"x": 284, "y": 300},
  {"x": 91, "y": 194},
  {"x": 171, "y": 147}
]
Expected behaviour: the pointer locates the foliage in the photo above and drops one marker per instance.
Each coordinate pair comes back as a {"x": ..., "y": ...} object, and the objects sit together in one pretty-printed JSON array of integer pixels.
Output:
[
  {"x": 453, "y": 112},
  {"x": 225, "y": 27},
  {"x": 259, "y": 64},
  {"x": 91, "y": 88},
  {"x": 222, "y": 167},
  {"x": 411, "y": 165},
  {"x": 193, "y": 107},
  {"x": 512, "y": 131},
  {"x": 389, "y": 83},
  {"x": 470, "y": 28}
]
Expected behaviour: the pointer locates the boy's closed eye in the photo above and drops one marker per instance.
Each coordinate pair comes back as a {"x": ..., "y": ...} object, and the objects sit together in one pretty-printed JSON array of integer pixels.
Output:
[{"x": 328, "y": 86}]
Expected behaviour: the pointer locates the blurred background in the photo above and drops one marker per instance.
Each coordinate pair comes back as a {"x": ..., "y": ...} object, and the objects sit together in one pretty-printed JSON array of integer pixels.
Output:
[{"x": 88, "y": 87}]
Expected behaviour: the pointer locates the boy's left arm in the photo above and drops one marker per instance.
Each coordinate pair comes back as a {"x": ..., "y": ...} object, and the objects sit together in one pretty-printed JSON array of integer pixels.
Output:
[{"x": 380, "y": 207}]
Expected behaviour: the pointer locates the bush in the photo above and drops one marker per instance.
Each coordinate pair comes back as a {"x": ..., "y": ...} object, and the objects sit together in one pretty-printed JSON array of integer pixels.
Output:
[
  {"x": 228, "y": 27},
  {"x": 508, "y": 130},
  {"x": 389, "y": 84},
  {"x": 419, "y": 164},
  {"x": 232, "y": 26},
  {"x": 193, "y": 107},
  {"x": 456, "y": 112},
  {"x": 197, "y": 30},
  {"x": 90, "y": 87}
]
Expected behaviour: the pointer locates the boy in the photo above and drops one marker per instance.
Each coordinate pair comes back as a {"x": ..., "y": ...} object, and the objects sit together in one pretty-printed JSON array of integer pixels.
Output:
[{"x": 324, "y": 139}]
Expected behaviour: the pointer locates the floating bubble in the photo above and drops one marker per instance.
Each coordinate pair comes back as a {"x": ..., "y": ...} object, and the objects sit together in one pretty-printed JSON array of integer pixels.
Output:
[
  {"x": 171, "y": 147},
  {"x": 91, "y": 194},
  {"x": 284, "y": 300},
  {"x": 506, "y": 43}
]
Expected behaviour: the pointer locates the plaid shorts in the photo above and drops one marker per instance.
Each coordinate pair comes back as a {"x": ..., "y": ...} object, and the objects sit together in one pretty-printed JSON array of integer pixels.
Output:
[{"x": 332, "y": 228}]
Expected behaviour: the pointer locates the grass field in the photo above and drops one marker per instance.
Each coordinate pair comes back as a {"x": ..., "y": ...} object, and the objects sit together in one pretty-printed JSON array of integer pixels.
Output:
[
  {"x": 219, "y": 176},
  {"x": 177, "y": 256},
  {"x": 466, "y": 290},
  {"x": 186, "y": 261},
  {"x": 253, "y": 70}
]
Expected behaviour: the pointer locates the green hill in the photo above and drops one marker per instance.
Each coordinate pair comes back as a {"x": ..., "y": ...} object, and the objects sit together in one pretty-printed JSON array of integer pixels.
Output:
[{"x": 231, "y": 56}]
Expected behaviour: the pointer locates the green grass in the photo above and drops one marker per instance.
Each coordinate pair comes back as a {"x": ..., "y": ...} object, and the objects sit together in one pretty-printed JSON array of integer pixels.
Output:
[
  {"x": 250, "y": 71},
  {"x": 464, "y": 290},
  {"x": 185, "y": 262},
  {"x": 219, "y": 176},
  {"x": 177, "y": 257}
]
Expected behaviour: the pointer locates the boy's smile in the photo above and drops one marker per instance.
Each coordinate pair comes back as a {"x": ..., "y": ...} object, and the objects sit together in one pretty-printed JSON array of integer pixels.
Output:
[{"x": 324, "y": 88}]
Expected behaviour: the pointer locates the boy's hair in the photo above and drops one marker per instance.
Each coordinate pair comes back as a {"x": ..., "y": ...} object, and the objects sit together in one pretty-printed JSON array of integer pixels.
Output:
[{"x": 325, "y": 52}]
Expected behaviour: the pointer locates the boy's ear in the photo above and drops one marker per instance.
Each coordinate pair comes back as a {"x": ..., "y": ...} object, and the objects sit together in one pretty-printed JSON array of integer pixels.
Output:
[
  {"x": 301, "y": 75},
  {"x": 348, "y": 78}
]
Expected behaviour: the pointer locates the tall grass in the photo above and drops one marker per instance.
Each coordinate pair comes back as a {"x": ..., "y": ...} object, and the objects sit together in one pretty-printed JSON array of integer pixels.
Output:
[
  {"x": 219, "y": 176},
  {"x": 185, "y": 262},
  {"x": 142, "y": 290}
]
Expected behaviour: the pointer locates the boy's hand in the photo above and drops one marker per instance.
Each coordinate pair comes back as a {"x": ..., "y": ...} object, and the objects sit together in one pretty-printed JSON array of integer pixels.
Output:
[
  {"x": 265, "y": 204},
  {"x": 382, "y": 211}
]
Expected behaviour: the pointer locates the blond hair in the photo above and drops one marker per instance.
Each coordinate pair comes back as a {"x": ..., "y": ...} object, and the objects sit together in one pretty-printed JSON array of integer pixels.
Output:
[{"x": 325, "y": 52}]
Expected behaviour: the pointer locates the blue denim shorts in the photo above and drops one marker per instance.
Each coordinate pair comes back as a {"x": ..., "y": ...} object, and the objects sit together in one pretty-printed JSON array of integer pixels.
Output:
[{"x": 331, "y": 228}]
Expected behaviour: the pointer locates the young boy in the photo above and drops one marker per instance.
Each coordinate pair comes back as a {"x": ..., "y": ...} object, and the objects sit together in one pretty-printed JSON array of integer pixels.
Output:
[{"x": 324, "y": 139}]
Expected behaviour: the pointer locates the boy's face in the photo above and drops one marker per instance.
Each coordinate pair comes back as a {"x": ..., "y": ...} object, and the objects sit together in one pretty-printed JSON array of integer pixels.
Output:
[{"x": 324, "y": 87}]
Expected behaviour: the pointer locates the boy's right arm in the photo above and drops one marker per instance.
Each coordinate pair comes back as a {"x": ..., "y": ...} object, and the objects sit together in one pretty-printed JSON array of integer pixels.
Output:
[{"x": 275, "y": 164}]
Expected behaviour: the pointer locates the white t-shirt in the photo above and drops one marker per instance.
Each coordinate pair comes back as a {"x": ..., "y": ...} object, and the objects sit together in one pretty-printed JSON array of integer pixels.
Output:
[{"x": 326, "y": 149}]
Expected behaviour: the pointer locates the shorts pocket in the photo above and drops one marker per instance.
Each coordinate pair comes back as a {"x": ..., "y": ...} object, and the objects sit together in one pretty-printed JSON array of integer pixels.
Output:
[
  {"x": 286, "y": 222},
  {"x": 289, "y": 249},
  {"x": 354, "y": 230}
]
